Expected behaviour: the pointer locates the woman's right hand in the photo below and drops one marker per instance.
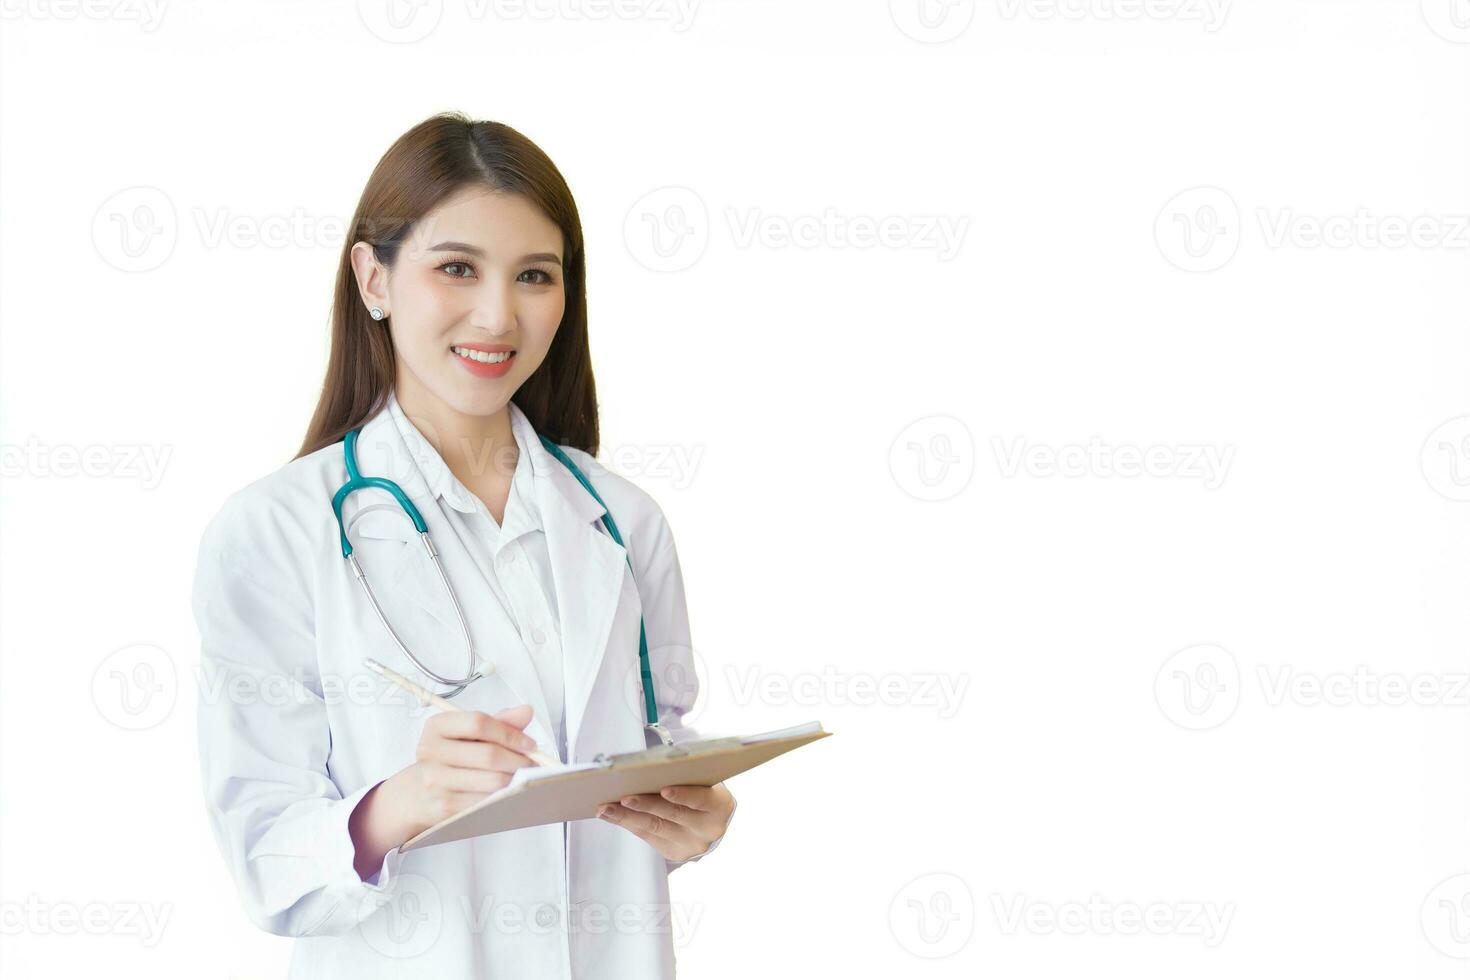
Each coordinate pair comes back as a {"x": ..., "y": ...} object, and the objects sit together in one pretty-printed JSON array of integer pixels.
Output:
[{"x": 462, "y": 757}]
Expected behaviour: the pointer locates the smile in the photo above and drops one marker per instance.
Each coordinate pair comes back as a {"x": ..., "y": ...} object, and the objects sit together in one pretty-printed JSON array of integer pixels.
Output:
[{"x": 482, "y": 356}]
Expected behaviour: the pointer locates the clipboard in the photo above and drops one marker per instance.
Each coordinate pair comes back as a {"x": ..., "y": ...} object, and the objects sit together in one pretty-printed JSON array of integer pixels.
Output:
[{"x": 537, "y": 795}]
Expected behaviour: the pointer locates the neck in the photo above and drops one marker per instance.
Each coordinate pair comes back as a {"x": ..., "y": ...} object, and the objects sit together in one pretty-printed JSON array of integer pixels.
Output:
[{"x": 479, "y": 450}]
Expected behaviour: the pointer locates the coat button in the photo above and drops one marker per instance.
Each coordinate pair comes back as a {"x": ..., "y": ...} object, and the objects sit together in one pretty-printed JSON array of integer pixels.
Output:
[
  {"x": 537, "y": 637},
  {"x": 507, "y": 556},
  {"x": 546, "y": 916}
]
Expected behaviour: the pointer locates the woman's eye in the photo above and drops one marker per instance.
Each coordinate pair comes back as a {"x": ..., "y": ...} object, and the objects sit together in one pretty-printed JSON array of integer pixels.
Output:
[{"x": 449, "y": 267}]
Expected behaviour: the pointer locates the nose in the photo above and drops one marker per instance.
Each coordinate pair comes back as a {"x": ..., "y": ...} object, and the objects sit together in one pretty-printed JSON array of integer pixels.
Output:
[{"x": 494, "y": 310}]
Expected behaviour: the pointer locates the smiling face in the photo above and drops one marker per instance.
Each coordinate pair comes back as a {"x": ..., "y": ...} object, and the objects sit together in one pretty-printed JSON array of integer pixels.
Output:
[{"x": 473, "y": 300}]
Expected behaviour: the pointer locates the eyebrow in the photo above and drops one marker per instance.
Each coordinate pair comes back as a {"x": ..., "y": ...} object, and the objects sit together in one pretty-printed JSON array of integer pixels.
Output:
[{"x": 480, "y": 253}]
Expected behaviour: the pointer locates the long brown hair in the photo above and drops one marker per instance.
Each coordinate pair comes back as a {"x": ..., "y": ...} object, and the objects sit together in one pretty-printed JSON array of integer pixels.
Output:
[{"x": 433, "y": 160}]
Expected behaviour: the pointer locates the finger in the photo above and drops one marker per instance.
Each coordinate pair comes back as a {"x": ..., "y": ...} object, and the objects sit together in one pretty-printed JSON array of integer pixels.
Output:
[
  {"x": 518, "y": 716},
  {"x": 702, "y": 825},
  {"x": 660, "y": 845},
  {"x": 477, "y": 725},
  {"x": 469, "y": 754},
  {"x": 694, "y": 797},
  {"x": 642, "y": 824},
  {"x": 652, "y": 827},
  {"x": 453, "y": 780},
  {"x": 456, "y": 802},
  {"x": 657, "y": 805}
]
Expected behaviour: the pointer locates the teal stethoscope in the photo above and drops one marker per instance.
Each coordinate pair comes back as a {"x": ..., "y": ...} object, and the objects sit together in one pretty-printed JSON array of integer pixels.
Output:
[{"x": 356, "y": 481}]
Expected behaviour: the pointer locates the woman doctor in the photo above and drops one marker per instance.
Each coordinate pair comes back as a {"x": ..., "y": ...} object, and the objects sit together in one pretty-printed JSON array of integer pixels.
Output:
[{"x": 459, "y": 336}]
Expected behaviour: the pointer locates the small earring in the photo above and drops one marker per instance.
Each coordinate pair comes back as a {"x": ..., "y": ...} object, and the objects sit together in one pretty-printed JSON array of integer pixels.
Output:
[{"x": 376, "y": 313}]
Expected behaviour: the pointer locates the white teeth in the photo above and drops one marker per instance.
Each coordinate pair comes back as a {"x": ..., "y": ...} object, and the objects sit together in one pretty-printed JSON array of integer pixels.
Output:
[{"x": 481, "y": 356}]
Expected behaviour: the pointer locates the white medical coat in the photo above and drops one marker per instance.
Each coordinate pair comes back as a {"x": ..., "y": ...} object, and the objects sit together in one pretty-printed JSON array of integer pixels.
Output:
[
  {"x": 294, "y": 731},
  {"x": 512, "y": 555}
]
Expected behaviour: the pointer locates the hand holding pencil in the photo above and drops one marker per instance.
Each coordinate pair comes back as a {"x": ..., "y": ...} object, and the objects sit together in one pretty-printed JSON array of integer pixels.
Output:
[
  {"x": 462, "y": 757},
  {"x": 428, "y": 698}
]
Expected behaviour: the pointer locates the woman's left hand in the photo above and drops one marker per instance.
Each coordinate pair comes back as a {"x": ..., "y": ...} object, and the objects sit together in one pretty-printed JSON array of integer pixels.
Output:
[{"x": 680, "y": 822}]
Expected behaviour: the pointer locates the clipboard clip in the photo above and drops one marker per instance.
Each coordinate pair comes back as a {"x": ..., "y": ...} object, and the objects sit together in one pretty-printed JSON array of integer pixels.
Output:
[
  {"x": 646, "y": 755},
  {"x": 658, "y": 753},
  {"x": 658, "y": 729}
]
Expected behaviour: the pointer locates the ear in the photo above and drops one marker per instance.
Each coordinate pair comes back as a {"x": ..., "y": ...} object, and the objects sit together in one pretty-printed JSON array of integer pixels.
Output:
[{"x": 372, "y": 277}]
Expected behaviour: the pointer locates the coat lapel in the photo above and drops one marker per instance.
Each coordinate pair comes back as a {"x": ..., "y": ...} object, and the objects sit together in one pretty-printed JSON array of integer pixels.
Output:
[{"x": 589, "y": 572}]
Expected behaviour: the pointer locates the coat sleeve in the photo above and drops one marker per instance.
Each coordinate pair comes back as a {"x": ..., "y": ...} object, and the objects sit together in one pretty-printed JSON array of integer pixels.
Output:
[
  {"x": 670, "y": 649},
  {"x": 278, "y": 817}
]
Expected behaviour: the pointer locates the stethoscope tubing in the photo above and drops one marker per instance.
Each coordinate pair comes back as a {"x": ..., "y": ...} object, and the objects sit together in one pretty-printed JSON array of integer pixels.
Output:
[{"x": 356, "y": 481}]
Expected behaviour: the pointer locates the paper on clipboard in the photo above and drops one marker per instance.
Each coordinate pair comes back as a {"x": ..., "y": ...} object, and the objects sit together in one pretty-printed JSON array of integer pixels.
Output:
[
  {"x": 806, "y": 729},
  {"x": 551, "y": 794}
]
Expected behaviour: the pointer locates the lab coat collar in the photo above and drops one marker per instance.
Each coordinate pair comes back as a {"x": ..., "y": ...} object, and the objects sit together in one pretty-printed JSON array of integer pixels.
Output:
[
  {"x": 533, "y": 465},
  {"x": 589, "y": 570}
]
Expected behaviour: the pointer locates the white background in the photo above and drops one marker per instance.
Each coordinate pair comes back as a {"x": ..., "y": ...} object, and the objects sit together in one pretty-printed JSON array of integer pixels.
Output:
[{"x": 1229, "y": 703}]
